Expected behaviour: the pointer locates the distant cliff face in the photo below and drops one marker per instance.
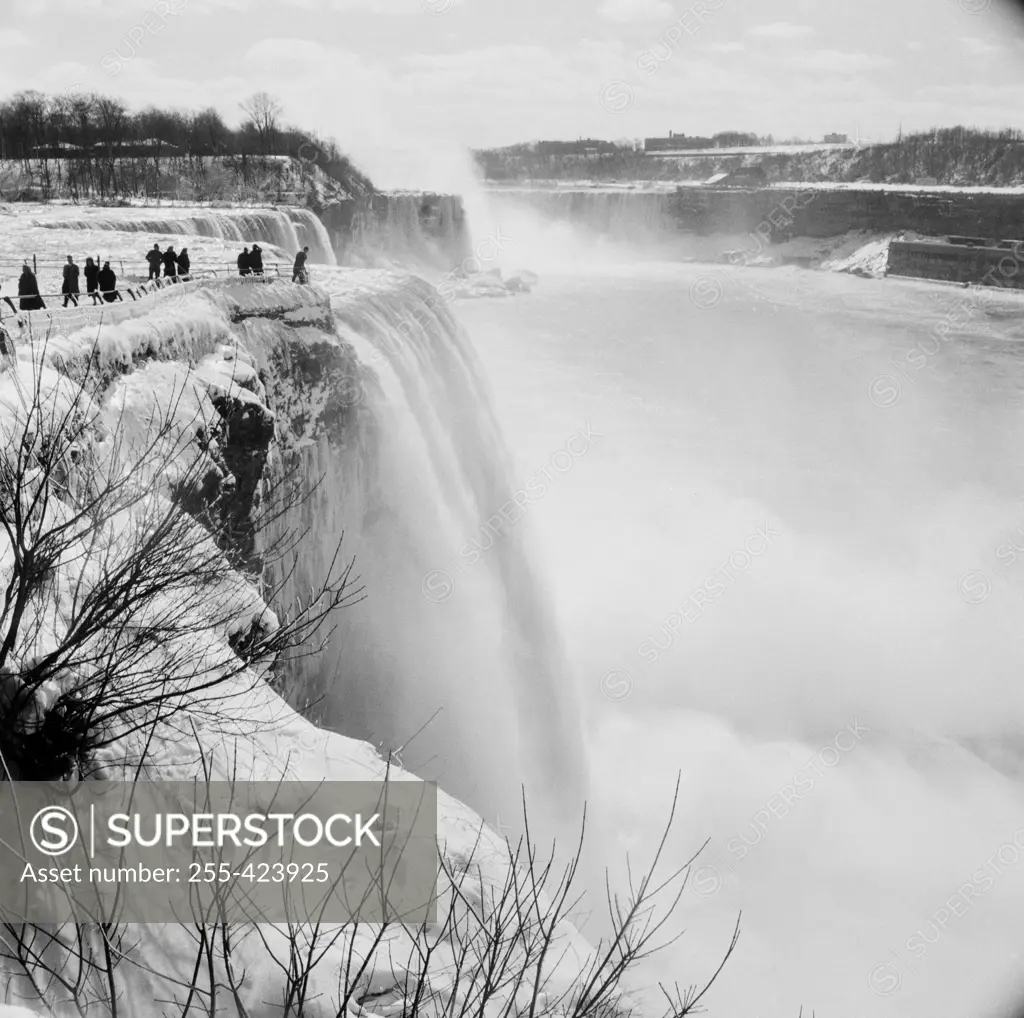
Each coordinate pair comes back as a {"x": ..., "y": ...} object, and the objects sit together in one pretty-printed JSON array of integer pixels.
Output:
[
  {"x": 410, "y": 227},
  {"x": 780, "y": 213}
]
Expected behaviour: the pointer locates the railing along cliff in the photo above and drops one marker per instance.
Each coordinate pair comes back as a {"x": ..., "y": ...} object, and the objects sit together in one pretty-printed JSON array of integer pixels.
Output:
[{"x": 26, "y": 324}]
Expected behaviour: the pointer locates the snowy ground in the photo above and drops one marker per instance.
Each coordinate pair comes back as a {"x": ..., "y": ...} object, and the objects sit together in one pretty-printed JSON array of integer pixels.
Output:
[
  {"x": 125, "y": 252},
  {"x": 57, "y": 211},
  {"x": 859, "y": 251}
]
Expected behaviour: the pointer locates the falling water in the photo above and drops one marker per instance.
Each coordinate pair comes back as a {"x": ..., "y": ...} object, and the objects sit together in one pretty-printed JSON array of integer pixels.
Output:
[
  {"x": 624, "y": 215},
  {"x": 414, "y": 228},
  {"x": 288, "y": 228},
  {"x": 461, "y": 647}
]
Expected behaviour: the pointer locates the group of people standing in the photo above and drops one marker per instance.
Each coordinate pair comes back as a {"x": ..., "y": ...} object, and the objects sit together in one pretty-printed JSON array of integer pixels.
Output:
[
  {"x": 174, "y": 265},
  {"x": 101, "y": 284},
  {"x": 250, "y": 263}
]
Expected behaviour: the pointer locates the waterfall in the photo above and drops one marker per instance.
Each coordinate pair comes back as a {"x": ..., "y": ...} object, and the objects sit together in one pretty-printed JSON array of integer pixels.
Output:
[
  {"x": 400, "y": 226},
  {"x": 623, "y": 215},
  {"x": 310, "y": 231},
  {"x": 421, "y": 469},
  {"x": 288, "y": 228}
]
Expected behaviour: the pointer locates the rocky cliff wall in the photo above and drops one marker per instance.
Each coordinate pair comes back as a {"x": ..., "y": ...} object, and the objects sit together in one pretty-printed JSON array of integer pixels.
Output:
[
  {"x": 402, "y": 226},
  {"x": 789, "y": 212}
]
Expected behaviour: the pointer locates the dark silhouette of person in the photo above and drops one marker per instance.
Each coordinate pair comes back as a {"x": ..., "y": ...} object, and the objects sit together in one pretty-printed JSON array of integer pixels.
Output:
[
  {"x": 170, "y": 262},
  {"x": 184, "y": 263},
  {"x": 256, "y": 260},
  {"x": 28, "y": 291},
  {"x": 244, "y": 263},
  {"x": 155, "y": 259},
  {"x": 70, "y": 285},
  {"x": 299, "y": 273},
  {"x": 91, "y": 272},
  {"x": 108, "y": 284}
]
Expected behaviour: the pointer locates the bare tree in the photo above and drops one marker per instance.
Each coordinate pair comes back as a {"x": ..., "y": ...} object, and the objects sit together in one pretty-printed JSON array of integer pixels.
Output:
[
  {"x": 81, "y": 143},
  {"x": 500, "y": 936},
  {"x": 264, "y": 112},
  {"x": 208, "y": 133},
  {"x": 120, "y": 607},
  {"x": 111, "y": 122}
]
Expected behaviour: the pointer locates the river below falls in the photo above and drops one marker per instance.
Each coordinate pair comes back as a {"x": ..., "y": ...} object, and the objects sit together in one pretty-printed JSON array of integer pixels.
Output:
[{"x": 785, "y": 567}]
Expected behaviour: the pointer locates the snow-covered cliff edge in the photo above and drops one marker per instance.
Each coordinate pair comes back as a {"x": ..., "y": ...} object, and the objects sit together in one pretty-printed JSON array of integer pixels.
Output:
[{"x": 248, "y": 374}]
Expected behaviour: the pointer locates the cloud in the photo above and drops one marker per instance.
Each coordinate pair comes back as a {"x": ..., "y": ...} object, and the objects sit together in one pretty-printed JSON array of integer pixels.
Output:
[
  {"x": 915, "y": 46},
  {"x": 425, "y": 85},
  {"x": 634, "y": 10},
  {"x": 414, "y": 8},
  {"x": 114, "y": 10},
  {"x": 832, "y": 61},
  {"x": 978, "y": 47},
  {"x": 212, "y": 6},
  {"x": 781, "y": 30},
  {"x": 506, "y": 75},
  {"x": 275, "y": 51},
  {"x": 12, "y": 38}
]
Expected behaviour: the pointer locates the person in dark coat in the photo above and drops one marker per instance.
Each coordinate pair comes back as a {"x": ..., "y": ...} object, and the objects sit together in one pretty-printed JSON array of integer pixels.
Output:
[
  {"x": 28, "y": 291},
  {"x": 256, "y": 260},
  {"x": 170, "y": 262},
  {"x": 108, "y": 283},
  {"x": 184, "y": 263},
  {"x": 70, "y": 285},
  {"x": 244, "y": 263},
  {"x": 299, "y": 273},
  {"x": 155, "y": 258},
  {"x": 91, "y": 271}
]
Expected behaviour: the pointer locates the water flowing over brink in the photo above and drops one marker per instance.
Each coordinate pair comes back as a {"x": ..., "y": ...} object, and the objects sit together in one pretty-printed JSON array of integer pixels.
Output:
[
  {"x": 624, "y": 215},
  {"x": 427, "y": 466},
  {"x": 288, "y": 228},
  {"x": 416, "y": 227}
]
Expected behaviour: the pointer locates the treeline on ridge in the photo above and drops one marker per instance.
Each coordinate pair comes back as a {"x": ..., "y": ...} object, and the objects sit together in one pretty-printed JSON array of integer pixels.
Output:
[
  {"x": 950, "y": 155},
  {"x": 85, "y": 143}
]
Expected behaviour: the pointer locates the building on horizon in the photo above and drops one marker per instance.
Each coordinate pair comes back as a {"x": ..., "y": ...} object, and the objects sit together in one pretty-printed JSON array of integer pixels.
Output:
[{"x": 836, "y": 139}]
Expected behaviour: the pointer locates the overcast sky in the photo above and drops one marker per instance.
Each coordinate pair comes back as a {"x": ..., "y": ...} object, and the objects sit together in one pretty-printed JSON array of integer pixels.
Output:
[{"x": 430, "y": 75}]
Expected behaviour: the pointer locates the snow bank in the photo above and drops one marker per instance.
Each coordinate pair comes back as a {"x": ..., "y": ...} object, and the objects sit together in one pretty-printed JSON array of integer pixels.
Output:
[
  {"x": 181, "y": 330},
  {"x": 869, "y": 259}
]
